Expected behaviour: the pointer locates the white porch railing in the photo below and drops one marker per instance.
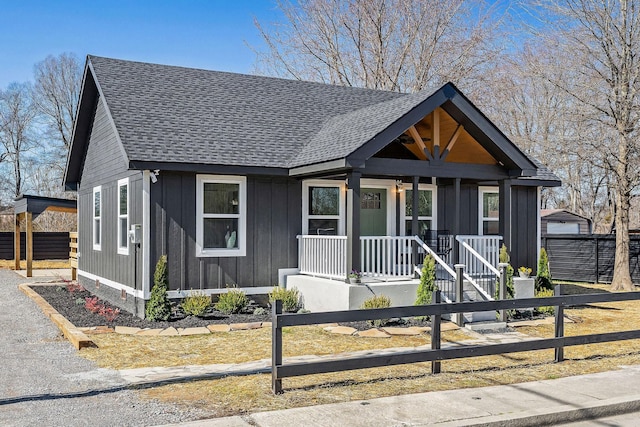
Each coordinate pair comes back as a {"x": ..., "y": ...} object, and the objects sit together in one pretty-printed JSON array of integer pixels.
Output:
[
  {"x": 323, "y": 256},
  {"x": 480, "y": 256},
  {"x": 387, "y": 256}
]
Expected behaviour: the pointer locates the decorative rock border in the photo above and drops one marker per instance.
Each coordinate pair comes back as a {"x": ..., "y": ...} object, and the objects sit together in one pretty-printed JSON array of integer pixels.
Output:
[{"x": 78, "y": 336}]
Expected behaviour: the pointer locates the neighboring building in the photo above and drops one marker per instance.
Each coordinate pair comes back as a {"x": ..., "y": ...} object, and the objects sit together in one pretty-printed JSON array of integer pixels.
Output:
[
  {"x": 241, "y": 179},
  {"x": 562, "y": 221}
]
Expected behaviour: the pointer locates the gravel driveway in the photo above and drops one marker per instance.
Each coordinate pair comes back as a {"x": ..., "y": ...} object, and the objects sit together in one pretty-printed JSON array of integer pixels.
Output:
[{"x": 44, "y": 382}]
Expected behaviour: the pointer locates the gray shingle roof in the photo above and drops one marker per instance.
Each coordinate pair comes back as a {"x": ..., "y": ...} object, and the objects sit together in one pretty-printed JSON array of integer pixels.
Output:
[{"x": 174, "y": 114}]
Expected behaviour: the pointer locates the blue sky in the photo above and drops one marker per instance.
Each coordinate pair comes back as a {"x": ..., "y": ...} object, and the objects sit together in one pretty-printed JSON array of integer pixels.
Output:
[{"x": 210, "y": 34}]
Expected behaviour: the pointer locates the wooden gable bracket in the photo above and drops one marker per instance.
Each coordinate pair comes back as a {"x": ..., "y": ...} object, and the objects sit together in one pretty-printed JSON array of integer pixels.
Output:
[
  {"x": 419, "y": 149},
  {"x": 451, "y": 143}
]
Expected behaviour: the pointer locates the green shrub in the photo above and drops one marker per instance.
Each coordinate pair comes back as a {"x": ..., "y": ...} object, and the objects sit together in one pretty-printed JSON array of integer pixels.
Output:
[
  {"x": 545, "y": 293},
  {"x": 232, "y": 301},
  {"x": 159, "y": 306},
  {"x": 543, "y": 278},
  {"x": 260, "y": 311},
  {"x": 427, "y": 281},
  {"x": 506, "y": 258},
  {"x": 377, "y": 301},
  {"x": 196, "y": 304},
  {"x": 290, "y": 298}
]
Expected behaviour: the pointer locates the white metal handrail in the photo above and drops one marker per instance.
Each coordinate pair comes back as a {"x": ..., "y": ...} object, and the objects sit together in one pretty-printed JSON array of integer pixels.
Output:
[
  {"x": 480, "y": 258},
  {"x": 435, "y": 256},
  {"x": 479, "y": 254}
]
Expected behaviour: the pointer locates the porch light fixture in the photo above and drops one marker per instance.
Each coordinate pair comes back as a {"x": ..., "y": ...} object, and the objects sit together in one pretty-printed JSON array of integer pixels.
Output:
[
  {"x": 154, "y": 175},
  {"x": 399, "y": 185}
]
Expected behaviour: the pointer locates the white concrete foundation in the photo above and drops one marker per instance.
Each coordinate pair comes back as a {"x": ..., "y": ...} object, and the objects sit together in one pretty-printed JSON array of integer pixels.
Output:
[{"x": 319, "y": 294}]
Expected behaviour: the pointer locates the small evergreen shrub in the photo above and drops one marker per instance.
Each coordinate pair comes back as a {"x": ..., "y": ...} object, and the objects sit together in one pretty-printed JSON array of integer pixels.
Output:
[
  {"x": 233, "y": 301},
  {"x": 543, "y": 279},
  {"x": 545, "y": 293},
  {"x": 377, "y": 301},
  {"x": 159, "y": 307},
  {"x": 506, "y": 258},
  {"x": 290, "y": 298},
  {"x": 427, "y": 281},
  {"x": 196, "y": 304}
]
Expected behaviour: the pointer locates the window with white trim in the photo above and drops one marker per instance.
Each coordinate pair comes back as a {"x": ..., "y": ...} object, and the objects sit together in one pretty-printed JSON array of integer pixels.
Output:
[
  {"x": 221, "y": 218},
  {"x": 97, "y": 218},
  {"x": 489, "y": 209},
  {"x": 426, "y": 209},
  {"x": 322, "y": 207},
  {"x": 123, "y": 216}
]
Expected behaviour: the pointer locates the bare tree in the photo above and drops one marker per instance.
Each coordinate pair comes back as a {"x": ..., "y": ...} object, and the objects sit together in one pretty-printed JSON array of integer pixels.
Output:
[
  {"x": 17, "y": 114},
  {"x": 57, "y": 86},
  {"x": 600, "y": 40},
  {"x": 397, "y": 45}
]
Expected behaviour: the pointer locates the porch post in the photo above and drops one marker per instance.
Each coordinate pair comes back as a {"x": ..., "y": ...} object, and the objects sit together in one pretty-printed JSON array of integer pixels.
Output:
[
  {"x": 353, "y": 221},
  {"x": 504, "y": 224},
  {"x": 456, "y": 219},
  {"x": 16, "y": 242},
  {"x": 414, "y": 215}
]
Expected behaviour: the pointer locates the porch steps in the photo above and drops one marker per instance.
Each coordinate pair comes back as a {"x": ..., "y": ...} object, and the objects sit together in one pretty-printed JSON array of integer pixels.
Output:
[{"x": 471, "y": 294}]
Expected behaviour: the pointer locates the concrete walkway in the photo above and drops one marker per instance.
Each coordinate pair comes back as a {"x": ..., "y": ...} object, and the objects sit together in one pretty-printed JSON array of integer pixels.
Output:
[{"x": 537, "y": 403}]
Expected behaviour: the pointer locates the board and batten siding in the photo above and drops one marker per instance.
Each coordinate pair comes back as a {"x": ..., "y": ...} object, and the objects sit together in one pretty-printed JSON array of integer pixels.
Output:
[
  {"x": 274, "y": 219},
  {"x": 524, "y": 227},
  {"x": 103, "y": 166},
  {"x": 468, "y": 208}
]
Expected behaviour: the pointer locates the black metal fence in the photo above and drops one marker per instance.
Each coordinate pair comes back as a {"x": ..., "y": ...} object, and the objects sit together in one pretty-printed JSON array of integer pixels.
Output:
[
  {"x": 45, "y": 245},
  {"x": 435, "y": 355},
  {"x": 588, "y": 258}
]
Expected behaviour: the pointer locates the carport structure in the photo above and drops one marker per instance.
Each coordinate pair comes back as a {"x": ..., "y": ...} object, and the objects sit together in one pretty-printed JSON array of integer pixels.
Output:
[{"x": 28, "y": 207}]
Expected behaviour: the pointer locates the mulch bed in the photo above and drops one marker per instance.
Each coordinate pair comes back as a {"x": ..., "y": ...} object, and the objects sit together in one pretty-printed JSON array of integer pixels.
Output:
[{"x": 72, "y": 306}]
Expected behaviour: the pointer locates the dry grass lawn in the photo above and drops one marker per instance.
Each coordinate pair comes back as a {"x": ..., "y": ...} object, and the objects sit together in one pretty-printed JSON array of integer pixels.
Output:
[
  {"x": 239, "y": 395},
  {"x": 37, "y": 265}
]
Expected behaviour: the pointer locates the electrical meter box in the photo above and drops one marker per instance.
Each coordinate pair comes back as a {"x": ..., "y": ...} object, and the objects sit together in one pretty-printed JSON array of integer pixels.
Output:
[{"x": 135, "y": 233}]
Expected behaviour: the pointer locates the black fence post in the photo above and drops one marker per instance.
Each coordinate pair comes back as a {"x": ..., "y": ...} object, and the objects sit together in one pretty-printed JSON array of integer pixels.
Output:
[
  {"x": 435, "y": 332},
  {"x": 597, "y": 249},
  {"x": 459, "y": 291},
  {"x": 276, "y": 347},
  {"x": 502, "y": 290},
  {"x": 559, "y": 323}
]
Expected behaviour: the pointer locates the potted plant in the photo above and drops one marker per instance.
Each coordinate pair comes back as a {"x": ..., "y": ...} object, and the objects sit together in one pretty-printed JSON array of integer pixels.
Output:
[
  {"x": 524, "y": 272},
  {"x": 355, "y": 276}
]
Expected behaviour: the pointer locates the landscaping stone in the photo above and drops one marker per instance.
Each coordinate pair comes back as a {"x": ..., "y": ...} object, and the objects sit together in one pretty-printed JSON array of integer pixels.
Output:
[
  {"x": 150, "y": 332},
  {"x": 219, "y": 328},
  {"x": 195, "y": 331},
  {"x": 373, "y": 333},
  {"x": 412, "y": 330},
  {"x": 448, "y": 326},
  {"x": 169, "y": 332},
  {"x": 328, "y": 325},
  {"x": 127, "y": 330},
  {"x": 267, "y": 324},
  {"x": 245, "y": 326},
  {"x": 343, "y": 330}
]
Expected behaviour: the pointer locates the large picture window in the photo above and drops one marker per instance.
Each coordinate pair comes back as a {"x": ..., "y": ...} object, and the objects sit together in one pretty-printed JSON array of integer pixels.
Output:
[
  {"x": 489, "y": 211},
  {"x": 221, "y": 215},
  {"x": 97, "y": 218},
  {"x": 323, "y": 202},
  {"x": 123, "y": 216}
]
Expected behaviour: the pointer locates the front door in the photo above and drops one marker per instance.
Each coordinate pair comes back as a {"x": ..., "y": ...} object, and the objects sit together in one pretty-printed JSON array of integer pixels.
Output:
[{"x": 373, "y": 212}]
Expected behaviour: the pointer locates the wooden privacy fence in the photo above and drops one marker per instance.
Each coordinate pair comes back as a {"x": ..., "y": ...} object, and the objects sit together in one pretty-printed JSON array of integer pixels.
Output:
[
  {"x": 45, "y": 245},
  {"x": 588, "y": 257},
  {"x": 435, "y": 355}
]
